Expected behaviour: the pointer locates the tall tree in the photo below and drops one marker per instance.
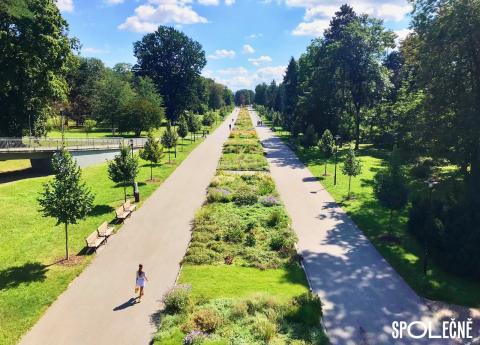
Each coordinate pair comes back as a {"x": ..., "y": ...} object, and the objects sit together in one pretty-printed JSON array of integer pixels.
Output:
[
  {"x": 357, "y": 45},
  {"x": 66, "y": 198},
  {"x": 144, "y": 110},
  {"x": 35, "y": 54},
  {"x": 261, "y": 94},
  {"x": 113, "y": 94},
  {"x": 82, "y": 81},
  {"x": 182, "y": 128},
  {"x": 174, "y": 62},
  {"x": 290, "y": 84}
]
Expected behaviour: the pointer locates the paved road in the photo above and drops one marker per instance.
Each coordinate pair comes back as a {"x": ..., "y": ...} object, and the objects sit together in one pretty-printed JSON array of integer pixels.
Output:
[
  {"x": 97, "y": 307},
  {"x": 361, "y": 293}
]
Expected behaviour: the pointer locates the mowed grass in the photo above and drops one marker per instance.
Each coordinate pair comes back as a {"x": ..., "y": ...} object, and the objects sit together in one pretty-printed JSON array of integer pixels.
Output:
[
  {"x": 218, "y": 281},
  {"x": 31, "y": 245},
  {"x": 406, "y": 257}
]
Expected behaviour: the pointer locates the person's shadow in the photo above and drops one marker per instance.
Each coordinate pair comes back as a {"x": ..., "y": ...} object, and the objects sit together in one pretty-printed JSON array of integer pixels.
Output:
[{"x": 130, "y": 303}]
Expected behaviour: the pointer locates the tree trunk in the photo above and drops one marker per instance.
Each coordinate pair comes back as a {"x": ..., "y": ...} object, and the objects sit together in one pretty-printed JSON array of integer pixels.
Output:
[
  {"x": 125, "y": 191},
  {"x": 168, "y": 156},
  {"x": 325, "y": 173},
  {"x": 151, "y": 171},
  {"x": 357, "y": 127},
  {"x": 349, "y": 183},
  {"x": 66, "y": 241}
]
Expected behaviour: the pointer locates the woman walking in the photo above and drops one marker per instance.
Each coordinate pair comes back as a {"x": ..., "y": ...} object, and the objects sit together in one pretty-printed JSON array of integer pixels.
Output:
[{"x": 141, "y": 278}]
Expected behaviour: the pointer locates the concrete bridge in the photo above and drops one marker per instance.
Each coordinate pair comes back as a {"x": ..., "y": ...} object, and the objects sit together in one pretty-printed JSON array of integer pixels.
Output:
[{"x": 40, "y": 150}]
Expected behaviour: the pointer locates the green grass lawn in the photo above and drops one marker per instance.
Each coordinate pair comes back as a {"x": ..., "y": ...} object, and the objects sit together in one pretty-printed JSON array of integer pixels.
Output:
[
  {"x": 216, "y": 281},
  {"x": 407, "y": 256},
  {"x": 30, "y": 246}
]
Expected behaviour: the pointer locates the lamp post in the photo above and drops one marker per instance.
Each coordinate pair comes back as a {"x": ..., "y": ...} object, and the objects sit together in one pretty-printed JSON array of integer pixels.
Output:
[
  {"x": 431, "y": 182},
  {"x": 337, "y": 137},
  {"x": 131, "y": 146}
]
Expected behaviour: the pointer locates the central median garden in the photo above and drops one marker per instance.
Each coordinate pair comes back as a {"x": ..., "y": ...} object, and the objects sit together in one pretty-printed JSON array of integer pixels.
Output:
[{"x": 241, "y": 282}]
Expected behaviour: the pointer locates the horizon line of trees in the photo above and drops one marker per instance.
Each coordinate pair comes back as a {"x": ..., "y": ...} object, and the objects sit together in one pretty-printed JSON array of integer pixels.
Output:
[{"x": 42, "y": 77}]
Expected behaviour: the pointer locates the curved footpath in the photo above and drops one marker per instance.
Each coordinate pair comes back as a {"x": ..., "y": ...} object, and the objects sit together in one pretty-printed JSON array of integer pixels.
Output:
[
  {"x": 97, "y": 308},
  {"x": 361, "y": 293}
]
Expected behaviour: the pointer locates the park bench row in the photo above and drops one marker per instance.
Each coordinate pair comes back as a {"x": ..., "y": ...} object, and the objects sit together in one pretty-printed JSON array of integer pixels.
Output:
[{"x": 104, "y": 231}]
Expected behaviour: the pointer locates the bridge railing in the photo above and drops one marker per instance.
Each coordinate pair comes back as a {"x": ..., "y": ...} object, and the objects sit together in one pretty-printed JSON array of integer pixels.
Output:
[{"x": 34, "y": 144}]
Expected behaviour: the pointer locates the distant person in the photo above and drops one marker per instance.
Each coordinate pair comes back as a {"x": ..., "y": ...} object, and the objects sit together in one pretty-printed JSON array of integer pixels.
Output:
[
  {"x": 140, "y": 280},
  {"x": 230, "y": 126}
]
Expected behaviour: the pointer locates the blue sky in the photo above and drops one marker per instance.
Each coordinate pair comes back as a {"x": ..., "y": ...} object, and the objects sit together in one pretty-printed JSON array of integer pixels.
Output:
[{"x": 246, "y": 41}]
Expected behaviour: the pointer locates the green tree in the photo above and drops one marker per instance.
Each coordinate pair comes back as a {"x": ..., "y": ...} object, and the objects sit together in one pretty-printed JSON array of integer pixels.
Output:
[
  {"x": 82, "y": 81},
  {"x": 123, "y": 168},
  {"x": 66, "y": 198},
  {"x": 208, "y": 119},
  {"x": 290, "y": 83},
  {"x": 89, "y": 125},
  {"x": 174, "y": 62},
  {"x": 194, "y": 124},
  {"x": 391, "y": 187},
  {"x": 169, "y": 139},
  {"x": 152, "y": 152},
  {"x": 351, "y": 167},
  {"x": 310, "y": 138},
  {"x": 327, "y": 147},
  {"x": 182, "y": 127},
  {"x": 112, "y": 96},
  {"x": 35, "y": 55}
]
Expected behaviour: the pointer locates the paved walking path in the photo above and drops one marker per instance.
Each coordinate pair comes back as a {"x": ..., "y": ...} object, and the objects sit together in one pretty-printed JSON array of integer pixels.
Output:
[
  {"x": 97, "y": 308},
  {"x": 360, "y": 291}
]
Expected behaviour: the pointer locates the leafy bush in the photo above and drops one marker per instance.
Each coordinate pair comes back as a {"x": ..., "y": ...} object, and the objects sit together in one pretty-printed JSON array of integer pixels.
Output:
[
  {"x": 264, "y": 329},
  {"x": 219, "y": 195},
  {"x": 206, "y": 320},
  {"x": 269, "y": 200},
  {"x": 310, "y": 138},
  {"x": 178, "y": 299},
  {"x": 275, "y": 218},
  {"x": 194, "y": 338},
  {"x": 245, "y": 196},
  {"x": 234, "y": 234}
]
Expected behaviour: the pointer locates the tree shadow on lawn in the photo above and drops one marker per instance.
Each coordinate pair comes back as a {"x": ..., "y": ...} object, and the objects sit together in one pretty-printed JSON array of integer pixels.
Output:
[
  {"x": 17, "y": 175},
  {"x": 28, "y": 273},
  {"x": 99, "y": 210}
]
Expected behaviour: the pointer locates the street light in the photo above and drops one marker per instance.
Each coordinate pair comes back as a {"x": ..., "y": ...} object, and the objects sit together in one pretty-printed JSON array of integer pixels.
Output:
[
  {"x": 431, "y": 182},
  {"x": 337, "y": 138}
]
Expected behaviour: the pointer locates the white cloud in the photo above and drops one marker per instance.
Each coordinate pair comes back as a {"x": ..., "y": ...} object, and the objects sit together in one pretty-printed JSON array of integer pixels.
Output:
[
  {"x": 314, "y": 28},
  {"x": 239, "y": 77},
  {"x": 65, "y": 5},
  {"x": 114, "y": 2},
  {"x": 401, "y": 35},
  {"x": 209, "y": 2},
  {"x": 222, "y": 54},
  {"x": 229, "y": 2},
  {"x": 260, "y": 60},
  {"x": 254, "y": 36},
  {"x": 157, "y": 12},
  {"x": 318, "y": 13},
  {"x": 248, "y": 49}
]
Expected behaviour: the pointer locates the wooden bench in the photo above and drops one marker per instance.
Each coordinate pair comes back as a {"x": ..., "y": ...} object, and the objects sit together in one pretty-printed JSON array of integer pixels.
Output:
[
  {"x": 128, "y": 207},
  {"x": 121, "y": 214},
  {"x": 104, "y": 230},
  {"x": 94, "y": 241}
]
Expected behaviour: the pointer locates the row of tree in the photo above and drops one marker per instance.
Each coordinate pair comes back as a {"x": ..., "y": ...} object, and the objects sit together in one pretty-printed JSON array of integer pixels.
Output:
[
  {"x": 42, "y": 77},
  {"x": 422, "y": 96}
]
